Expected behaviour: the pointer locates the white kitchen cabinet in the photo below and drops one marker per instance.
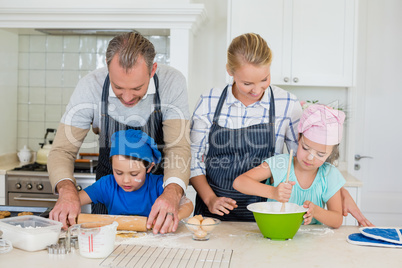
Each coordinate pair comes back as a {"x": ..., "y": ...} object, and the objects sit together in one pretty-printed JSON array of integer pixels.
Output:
[
  {"x": 2, "y": 190},
  {"x": 312, "y": 40},
  {"x": 355, "y": 193}
]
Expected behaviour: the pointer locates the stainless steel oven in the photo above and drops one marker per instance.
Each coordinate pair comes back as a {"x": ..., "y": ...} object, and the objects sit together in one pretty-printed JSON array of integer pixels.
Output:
[{"x": 33, "y": 188}]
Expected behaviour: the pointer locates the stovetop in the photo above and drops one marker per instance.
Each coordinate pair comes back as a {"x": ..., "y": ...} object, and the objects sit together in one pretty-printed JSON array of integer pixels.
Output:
[
  {"x": 43, "y": 168},
  {"x": 32, "y": 167}
]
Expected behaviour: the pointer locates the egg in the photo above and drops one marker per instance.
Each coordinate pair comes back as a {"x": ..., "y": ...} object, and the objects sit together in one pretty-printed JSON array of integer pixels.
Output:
[
  {"x": 199, "y": 217},
  {"x": 194, "y": 221},
  {"x": 200, "y": 233},
  {"x": 206, "y": 222}
]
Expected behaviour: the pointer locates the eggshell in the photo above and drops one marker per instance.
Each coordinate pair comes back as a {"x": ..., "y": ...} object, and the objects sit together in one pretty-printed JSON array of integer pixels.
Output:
[{"x": 207, "y": 221}]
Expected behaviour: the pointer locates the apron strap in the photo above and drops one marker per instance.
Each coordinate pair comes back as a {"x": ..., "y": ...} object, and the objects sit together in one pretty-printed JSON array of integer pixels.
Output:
[
  {"x": 220, "y": 104},
  {"x": 272, "y": 134},
  {"x": 271, "y": 124}
]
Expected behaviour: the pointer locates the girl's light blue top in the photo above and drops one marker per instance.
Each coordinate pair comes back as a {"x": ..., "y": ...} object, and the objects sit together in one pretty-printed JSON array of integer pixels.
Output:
[{"x": 327, "y": 182}]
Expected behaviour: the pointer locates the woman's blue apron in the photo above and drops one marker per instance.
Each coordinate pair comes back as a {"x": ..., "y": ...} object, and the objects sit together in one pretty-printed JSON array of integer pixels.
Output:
[
  {"x": 231, "y": 153},
  {"x": 153, "y": 128}
]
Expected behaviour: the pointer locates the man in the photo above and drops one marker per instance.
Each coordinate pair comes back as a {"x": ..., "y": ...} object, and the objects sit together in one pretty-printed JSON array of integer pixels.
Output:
[{"x": 132, "y": 92}]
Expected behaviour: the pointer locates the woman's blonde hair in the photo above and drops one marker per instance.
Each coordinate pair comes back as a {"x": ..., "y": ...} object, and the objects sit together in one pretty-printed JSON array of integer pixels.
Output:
[
  {"x": 248, "y": 48},
  {"x": 129, "y": 46}
]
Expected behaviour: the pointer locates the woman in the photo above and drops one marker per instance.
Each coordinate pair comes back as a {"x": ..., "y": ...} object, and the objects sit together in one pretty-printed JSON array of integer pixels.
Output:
[{"x": 235, "y": 129}]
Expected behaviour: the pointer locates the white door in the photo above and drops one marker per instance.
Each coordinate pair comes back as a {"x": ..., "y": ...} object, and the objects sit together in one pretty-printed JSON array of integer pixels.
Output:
[{"x": 376, "y": 103}]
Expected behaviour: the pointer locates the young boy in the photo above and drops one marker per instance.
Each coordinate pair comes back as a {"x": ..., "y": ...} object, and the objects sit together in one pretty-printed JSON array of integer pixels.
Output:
[{"x": 131, "y": 189}]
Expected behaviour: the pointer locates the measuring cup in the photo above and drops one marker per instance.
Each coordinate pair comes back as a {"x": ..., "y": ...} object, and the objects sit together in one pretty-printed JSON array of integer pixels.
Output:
[{"x": 95, "y": 239}]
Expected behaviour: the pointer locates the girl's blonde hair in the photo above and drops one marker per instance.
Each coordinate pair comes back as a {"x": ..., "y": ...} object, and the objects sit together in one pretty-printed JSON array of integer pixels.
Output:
[
  {"x": 129, "y": 46},
  {"x": 248, "y": 48}
]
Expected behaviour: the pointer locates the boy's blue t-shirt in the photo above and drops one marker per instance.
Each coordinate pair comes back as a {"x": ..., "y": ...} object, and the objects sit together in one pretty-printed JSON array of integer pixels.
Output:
[{"x": 119, "y": 202}]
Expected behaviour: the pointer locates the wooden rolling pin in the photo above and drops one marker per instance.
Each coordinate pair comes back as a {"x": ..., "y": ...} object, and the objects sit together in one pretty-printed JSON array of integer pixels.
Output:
[
  {"x": 126, "y": 223},
  {"x": 134, "y": 223}
]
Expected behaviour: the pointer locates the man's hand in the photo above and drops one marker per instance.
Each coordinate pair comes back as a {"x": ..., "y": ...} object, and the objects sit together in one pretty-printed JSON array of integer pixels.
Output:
[
  {"x": 164, "y": 213},
  {"x": 68, "y": 205},
  {"x": 349, "y": 206}
]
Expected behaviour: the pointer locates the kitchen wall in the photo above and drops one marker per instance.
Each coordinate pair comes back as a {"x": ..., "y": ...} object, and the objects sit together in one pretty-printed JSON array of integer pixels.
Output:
[
  {"x": 40, "y": 107},
  {"x": 8, "y": 91},
  {"x": 49, "y": 68}
]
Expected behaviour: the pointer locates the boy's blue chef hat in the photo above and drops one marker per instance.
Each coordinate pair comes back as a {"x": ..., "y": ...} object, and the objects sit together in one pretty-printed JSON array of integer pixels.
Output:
[{"x": 135, "y": 143}]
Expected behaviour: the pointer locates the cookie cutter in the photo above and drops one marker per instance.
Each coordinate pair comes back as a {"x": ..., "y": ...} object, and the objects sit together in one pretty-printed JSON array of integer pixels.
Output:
[
  {"x": 62, "y": 246},
  {"x": 5, "y": 245}
]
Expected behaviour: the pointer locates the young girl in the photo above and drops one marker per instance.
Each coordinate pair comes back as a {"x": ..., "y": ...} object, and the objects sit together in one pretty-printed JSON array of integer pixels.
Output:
[
  {"x": 313, "y": 180},
  {"x": 131, "y": 189}
]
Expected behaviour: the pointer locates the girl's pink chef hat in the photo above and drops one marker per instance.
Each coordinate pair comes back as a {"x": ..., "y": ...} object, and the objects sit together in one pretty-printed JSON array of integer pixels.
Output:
[{"x": 322, "y": 124}]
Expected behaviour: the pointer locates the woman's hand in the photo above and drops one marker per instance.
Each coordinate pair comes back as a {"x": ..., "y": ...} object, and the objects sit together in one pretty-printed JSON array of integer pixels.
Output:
[
  {"x": 221, "y": 205},
  {"x": 283, "y": 191},
  {"x": 308, "y": 217},
  {"x": 349, "y": 206}
]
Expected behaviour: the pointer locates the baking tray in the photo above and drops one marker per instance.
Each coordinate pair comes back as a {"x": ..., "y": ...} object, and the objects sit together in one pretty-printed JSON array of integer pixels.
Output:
[{"x": 38, "y": 211}]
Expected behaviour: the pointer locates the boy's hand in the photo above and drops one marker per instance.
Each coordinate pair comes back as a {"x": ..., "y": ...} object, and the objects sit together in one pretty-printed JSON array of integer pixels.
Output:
[
  {"x": 221, "y": 205},
  {"x": 283, "y": 191},
  {"x": 308, "y": 217}
]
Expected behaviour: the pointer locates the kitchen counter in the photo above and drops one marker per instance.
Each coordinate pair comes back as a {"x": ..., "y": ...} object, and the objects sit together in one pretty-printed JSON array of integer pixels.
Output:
[
  {"x": 8, "y": 162},
  {"x": 312, "y": 246}
]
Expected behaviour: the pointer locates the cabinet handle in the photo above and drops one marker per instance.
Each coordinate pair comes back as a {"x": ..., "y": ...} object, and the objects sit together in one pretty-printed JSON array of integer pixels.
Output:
[
  {"x": 295, "y": 79},
  {"x": 286, "y": 79}
]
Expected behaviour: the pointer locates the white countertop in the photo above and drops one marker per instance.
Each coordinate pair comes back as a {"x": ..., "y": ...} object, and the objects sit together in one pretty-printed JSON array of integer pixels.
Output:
[
  {"x": 312, "y": 246},
  {"x": 8, "y": 162}
]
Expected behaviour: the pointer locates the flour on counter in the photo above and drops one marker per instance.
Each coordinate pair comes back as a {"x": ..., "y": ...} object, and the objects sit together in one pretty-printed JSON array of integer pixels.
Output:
[
  {"x": 316, "y": 231},
  {"x": 160, "y": 240}
]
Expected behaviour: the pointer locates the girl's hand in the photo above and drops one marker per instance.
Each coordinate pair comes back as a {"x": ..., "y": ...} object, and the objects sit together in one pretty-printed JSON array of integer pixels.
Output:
[
  {"x": 283, "y": 191},
  {"x": 221, "y": 205},
  {"x": 308, "y": 217}
]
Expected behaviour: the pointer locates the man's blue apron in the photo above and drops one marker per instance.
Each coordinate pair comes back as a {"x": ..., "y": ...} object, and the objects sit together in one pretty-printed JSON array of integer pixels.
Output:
[
  {"x": 233, "y": 152},
  {"x": 153, "y": 128}
]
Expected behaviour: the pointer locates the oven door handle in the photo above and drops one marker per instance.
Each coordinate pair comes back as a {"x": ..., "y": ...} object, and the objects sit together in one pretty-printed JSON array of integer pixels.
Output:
[{"x": 18, "y": 198}]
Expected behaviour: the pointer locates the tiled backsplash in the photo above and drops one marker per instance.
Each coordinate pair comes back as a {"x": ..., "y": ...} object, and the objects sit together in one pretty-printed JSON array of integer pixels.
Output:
[{"x": 49, "y": 69}]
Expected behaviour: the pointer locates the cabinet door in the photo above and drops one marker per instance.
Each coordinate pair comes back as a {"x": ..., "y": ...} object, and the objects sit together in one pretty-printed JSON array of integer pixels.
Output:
[
  {"x": 322, "y": 42},
  {"x": 312, "y": 40},
  {"x": 2, "y": 190},
  {"x": 271, "y": 20}
]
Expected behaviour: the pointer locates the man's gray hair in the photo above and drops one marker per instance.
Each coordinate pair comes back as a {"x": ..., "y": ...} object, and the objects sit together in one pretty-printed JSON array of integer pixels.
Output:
[{"x": 129, "y": 46}]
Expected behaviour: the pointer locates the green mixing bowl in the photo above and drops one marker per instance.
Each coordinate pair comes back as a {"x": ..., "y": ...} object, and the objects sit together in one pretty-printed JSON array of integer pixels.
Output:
[{"x": 273, "y": 223}]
